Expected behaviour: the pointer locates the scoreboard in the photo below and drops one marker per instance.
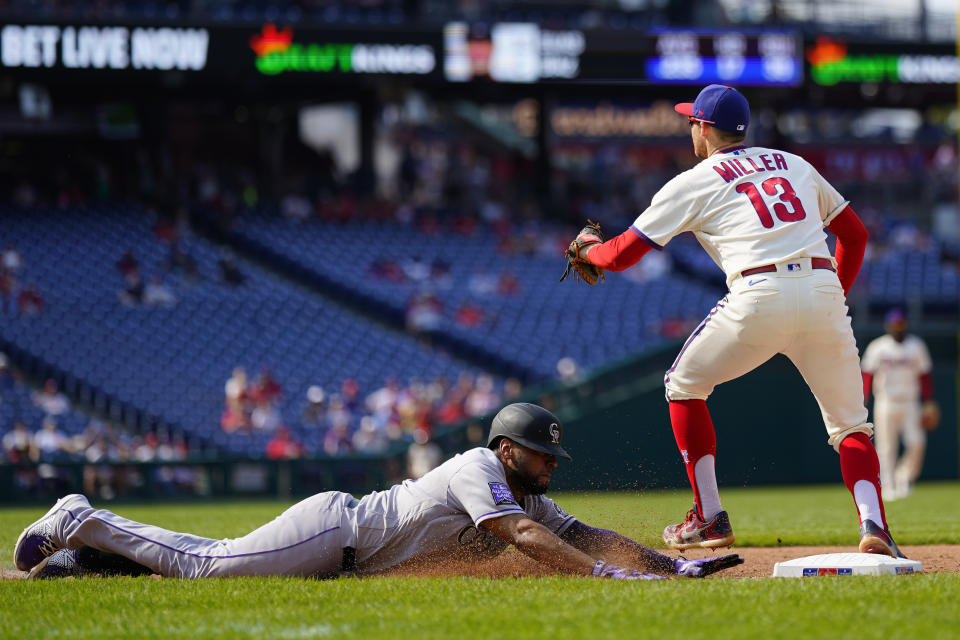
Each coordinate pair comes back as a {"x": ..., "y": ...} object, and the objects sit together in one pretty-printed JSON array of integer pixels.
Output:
[{"x": 528, "y": 53}]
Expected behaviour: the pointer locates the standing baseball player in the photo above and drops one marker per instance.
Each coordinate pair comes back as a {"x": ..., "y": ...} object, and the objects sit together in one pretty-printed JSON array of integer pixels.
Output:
[
  {"x": 896, "y": 366},
  {"x": 760, "y": 214},
  {"x": 471, "y": 506}
]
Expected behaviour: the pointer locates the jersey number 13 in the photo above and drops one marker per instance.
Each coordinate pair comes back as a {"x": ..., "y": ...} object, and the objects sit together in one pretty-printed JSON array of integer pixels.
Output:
[{"x": 770, "y": 186}]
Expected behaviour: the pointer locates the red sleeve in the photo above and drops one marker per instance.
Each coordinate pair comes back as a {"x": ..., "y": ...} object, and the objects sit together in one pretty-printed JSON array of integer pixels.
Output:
[
  {"x": 619, "y": 253},
  {"x": 867, "y": 385},
  {"x": 851, "y": 244},
  {"x": 926, "y": 386}
]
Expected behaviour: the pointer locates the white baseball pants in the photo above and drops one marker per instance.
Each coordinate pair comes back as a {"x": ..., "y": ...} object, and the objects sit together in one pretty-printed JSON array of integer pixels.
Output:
[
  {"x": 305, "y": 540},
  {"x": 798, "y": 311},
  {"x": 896, "y": 419}
]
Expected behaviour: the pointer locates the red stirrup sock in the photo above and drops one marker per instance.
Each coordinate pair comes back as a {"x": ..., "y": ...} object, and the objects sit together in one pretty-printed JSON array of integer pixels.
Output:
[
  {"x": 697, "y": 442},
  {"x": 861, "y": 471}
]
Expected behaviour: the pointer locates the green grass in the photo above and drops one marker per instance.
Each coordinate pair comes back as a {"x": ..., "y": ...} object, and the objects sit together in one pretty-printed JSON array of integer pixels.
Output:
[{"x": 554, "y": 607}]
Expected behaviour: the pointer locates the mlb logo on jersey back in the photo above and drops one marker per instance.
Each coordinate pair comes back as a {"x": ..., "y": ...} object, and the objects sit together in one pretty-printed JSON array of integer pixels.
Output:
[
  {"x": 793, "y": 266},
  {"x": 501, "y": 493}
]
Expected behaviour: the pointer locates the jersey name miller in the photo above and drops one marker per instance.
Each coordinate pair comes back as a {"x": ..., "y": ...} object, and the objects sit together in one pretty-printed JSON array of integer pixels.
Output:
[{"x": 733, "y": 168}]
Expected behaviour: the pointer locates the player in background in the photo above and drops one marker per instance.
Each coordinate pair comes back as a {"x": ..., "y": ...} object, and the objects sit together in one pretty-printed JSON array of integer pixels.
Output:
[
  {"x": 760, "y": 214},
  {"x": 896, "y": 366},
  {"x": 469, "y": 508}
]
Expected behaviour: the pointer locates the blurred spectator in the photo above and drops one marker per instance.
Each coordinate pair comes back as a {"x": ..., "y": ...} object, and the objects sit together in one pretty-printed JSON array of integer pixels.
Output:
[
  {"x": 236, "y": 395},
  {"x": 350, "y": 393},
  {"x": 165, "y": 230},
  {"x": 315, "y": 413},
  {"x": 424, "y": 312},
  {"x": 50, "y": 400},
  {"x": 483, "y": 399},
  {"x": 508, "y": 284},
  {"x": 282, "y": 446},
  {"x": 16, "y": 443},
  {"x": 158, "y": 294},
  {"x": 49, "y": 443},
  {"x": 8, "y": 285},
  {"x": 133, "y": 290},
  {"x": 127, "y": 264},
  {"x": 370, "y": 438},
  {"x": 568, "y": 370},
  {"x": 145, "y": 450},
  {"x": 440, "y": 274},
  {"x": 388, "y": 270},
  {"x": 265, "y": 417},
  {"x": 232, "y": 420},
  {"x": 29, "y": 301},
  {"x": 179, "y": 260},
  {"x": 236, "y": 414},
  {"x": 416, "y": 270},
  {"x": 512, "y": 388},
  {"x": 422, "y": 455},
  {"x": 11, "y": 261},
  {"x": 469, "y": 315},
  {"x": 380, "y": 403},
  {"x": 451, "y": 409},
  {"x": 337, "y": 441},
  {"x": 338, "y": 413},
  {"x": 483, "y": 283},
  {"x": 266, "y": 388},
  {"x": 229, "y": 270},
  {"x": 8, "y": 387}
]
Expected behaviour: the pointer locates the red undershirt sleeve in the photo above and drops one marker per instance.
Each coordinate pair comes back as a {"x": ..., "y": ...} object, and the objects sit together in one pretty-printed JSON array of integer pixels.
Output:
[
  {"x": 867, "y": 385},
  {"x": 619, "y": 253},
  {"x": 926, "y": 386},
  {"x": 851, "y": 245}
]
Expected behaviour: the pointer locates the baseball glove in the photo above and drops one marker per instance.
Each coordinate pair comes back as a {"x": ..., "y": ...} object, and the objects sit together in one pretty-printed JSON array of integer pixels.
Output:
[
  {"x": 582, "y": 268},
  {"x": 706, "y": 566},
  {"x": 930, "y": 415}
]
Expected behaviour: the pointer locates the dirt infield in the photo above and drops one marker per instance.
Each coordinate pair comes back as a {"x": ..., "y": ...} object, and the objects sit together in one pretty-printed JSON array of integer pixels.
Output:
[{"x": 758, "y": 563}]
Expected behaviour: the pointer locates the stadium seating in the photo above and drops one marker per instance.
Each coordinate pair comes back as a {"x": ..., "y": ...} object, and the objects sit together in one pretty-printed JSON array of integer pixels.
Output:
[
  {"x": 910, "y": 277},
  {"x": 533, "y": 329},
  {"x": 168, "y": 365}
]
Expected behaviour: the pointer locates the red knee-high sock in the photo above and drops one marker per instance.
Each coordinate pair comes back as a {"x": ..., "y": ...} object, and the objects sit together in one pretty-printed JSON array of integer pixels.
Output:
[
  {"x": 858, "y": 461},
  {"x": 695, "y": 437}
]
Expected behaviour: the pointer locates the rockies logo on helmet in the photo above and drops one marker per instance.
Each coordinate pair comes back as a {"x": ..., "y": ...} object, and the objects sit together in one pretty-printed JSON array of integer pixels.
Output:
[{"x": 555, "y": 433}]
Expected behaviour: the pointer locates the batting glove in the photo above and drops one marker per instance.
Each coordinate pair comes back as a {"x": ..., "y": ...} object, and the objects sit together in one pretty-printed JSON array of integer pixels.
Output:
[
  {"x": 603, "y": 570},
  {"x": 706, "y": 566}
]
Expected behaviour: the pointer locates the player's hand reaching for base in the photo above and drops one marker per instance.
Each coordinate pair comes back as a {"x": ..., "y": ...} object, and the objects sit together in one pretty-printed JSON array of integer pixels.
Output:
[
  {"x": 705, "y": 566},
  {"x": 604, "y": 570}
]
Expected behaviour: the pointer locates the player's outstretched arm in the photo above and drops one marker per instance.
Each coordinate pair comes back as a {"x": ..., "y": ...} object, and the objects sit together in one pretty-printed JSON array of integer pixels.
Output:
[
  {"x": 619, "y": 253},
  {"x": 605, "y": 542},
  {"x": 541, "y": 544}
]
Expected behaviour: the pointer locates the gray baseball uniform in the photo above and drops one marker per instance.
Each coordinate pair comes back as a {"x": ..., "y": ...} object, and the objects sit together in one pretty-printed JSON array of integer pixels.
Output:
[{"x": 439, "y": 513}]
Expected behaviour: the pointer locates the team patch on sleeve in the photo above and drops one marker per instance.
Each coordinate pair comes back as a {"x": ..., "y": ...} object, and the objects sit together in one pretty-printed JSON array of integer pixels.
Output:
[{"x": 501, "y": 493}]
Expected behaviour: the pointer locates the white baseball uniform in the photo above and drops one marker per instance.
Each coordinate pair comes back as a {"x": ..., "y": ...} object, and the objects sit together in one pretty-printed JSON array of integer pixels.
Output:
[
  {"x": 438, "y": 514},
  {"x": 896, "y": 368},
  {"x": 753, "y": 207}
]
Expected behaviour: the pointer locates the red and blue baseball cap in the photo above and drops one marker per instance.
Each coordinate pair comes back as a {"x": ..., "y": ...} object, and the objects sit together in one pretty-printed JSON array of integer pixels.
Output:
[
  {"x": 722, "y": 106},
  {"x": 895, "y": 316}
]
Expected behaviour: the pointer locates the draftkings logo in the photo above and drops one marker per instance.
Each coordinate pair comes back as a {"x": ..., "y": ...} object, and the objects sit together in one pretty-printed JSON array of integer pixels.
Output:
[
  {"x": 831, "y": 63},
  {"x": 277, "y": 53}
]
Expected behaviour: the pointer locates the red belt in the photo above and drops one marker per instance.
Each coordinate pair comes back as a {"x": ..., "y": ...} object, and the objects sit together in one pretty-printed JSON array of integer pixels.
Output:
[{"x": 816, "y": 263}]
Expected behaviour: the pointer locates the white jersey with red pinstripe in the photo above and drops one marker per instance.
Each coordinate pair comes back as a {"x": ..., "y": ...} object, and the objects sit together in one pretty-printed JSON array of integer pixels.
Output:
[
  {"x": 896, "y": 367},
  {"x": 748, "y": 207}
]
